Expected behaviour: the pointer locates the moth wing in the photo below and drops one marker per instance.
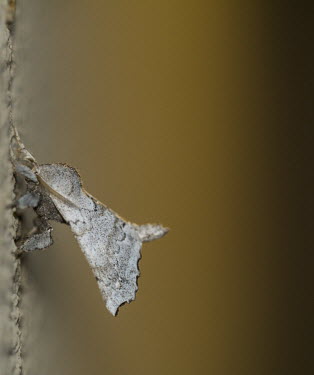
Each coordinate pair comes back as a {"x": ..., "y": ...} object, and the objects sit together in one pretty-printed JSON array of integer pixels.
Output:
[{"x": 111, "y": 245}]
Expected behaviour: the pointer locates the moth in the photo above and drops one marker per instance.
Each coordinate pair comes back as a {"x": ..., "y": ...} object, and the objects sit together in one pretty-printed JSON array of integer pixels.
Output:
[{"x": 111, "y": 245}]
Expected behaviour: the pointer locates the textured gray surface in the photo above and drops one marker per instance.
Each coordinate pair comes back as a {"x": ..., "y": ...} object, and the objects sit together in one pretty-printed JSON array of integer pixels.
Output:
[
  {"x": 111, "y": 245},
  {"x": 10, "y": 334}
]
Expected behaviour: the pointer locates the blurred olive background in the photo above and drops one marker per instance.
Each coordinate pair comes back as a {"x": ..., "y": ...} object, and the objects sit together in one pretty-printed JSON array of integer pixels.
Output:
[{"x": 194, "y": 114}]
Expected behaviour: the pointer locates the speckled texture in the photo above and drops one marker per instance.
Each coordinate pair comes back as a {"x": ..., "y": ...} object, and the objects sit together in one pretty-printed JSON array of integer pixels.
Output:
[
  {"x": 111, "y": 245},
  {"x": 10, "y": 266}
]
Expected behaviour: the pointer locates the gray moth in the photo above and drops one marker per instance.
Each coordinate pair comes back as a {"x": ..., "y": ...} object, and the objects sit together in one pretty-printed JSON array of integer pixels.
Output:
[{"x": 111, "y": 245}]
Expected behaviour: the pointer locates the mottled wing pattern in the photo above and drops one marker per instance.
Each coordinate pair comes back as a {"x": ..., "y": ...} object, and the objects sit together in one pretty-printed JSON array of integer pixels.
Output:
[{"x": 111, "y": 245}]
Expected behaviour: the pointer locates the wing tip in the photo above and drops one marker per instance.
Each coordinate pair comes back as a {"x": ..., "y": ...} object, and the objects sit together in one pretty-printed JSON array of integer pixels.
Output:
[{"x": 150, "y": 232}]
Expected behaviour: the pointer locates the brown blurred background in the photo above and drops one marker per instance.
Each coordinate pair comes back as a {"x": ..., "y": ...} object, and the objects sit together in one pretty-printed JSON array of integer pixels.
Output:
[{"x": 195, "y": 114}]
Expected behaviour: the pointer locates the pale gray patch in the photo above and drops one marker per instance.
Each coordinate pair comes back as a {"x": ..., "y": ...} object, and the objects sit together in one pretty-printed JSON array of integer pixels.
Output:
[
  {"x": 28, "y": 200},
  {"x": 38, "y": 241},
  {"x": 111, "y": 245},
  {"x": 39, "y": 238},
  {"x": 150, "y": 232},
  {"x": 26, "y": 172}
]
